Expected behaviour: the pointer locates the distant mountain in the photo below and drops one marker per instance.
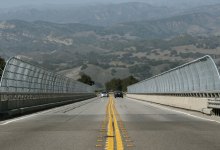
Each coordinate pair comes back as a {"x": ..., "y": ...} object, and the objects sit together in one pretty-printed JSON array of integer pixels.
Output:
[
  {"x": 45, "y": 36},
  {"x": 213, "y": 10},
  {"x": 142, "y": 48},
  {"x": 111, "y": 14},
  {"x": 21, "y": 36},
  {"x": 100, "y": 14},
  {"x": 182, "y": 4},
  {"x": 167, "y": 3},
  {"x": 194, "y": 24}
]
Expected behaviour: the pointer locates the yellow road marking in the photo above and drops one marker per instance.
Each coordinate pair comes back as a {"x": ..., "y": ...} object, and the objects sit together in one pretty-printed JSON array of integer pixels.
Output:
[
  {"x": 126, "y": 136},
  {"x": 110, "y": 133},
  {"x": 117, "y": 131},
  {"x": 100, "y": 137},
  {"x": 129, "y": 140},
  {"x": 130, "y": 145},
  {"x": 113, "y": 127}
]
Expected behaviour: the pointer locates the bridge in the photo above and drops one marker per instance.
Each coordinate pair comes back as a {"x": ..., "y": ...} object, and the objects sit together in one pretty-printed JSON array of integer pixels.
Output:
[{"x": 178, "y": 109}]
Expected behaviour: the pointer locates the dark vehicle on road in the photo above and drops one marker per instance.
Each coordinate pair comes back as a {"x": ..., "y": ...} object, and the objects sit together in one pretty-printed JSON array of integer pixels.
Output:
[{"x": 118, "y": 94}]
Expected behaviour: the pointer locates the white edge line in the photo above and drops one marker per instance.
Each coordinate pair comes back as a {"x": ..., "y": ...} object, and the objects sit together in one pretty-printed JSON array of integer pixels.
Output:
[
  {"x": 29, "y": 116},
  {"x": 163, "y": 107},
  {"x": 17, "y": 119},
  {"x": 32, "y": 115}
]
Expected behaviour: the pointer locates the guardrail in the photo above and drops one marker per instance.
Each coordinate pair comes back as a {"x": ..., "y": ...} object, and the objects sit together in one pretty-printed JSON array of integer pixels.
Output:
[
  {"x": 19, "y": 103},
  {"x": 214, "y": 103},
  {"x": 21, "y": 76},
  {"x": 25, "y": 87},
  {"x": 199, "y": 78},
  {"x": 193, "y": 94}
]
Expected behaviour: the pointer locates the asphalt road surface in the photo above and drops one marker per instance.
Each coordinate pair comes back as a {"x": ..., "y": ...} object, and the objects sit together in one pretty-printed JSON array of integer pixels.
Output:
[{"x": 78, "y": 126}]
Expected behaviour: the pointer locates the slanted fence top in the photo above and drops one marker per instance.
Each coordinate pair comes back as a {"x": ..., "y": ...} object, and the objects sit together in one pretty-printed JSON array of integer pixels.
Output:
[
  {"x": 21, "y": 76},
  {"x": 200, "y": 75}
]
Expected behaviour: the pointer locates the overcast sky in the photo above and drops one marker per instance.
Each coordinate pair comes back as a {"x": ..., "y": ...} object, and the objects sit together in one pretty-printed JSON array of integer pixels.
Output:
[{"x": 15, "y": 3}]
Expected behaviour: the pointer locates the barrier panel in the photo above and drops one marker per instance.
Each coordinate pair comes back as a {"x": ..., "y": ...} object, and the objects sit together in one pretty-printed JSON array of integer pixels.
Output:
[
  {"x": 198, "y": 76},
  {"x": 25, "y": 87},
  {"x": 20, "y": 76},
  {"x": 194, "y": 85},
  {"x": 19, "y": 103}
]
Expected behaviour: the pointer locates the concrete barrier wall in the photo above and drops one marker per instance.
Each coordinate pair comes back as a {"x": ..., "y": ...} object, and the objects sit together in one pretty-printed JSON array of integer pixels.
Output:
[
  {"x": 15, "y": 105},
  {"x": 190, "y": 103}
]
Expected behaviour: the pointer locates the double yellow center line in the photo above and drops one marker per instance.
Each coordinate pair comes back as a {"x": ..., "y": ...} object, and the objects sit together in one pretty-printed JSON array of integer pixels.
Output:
[{"x": 113, "y": 132}]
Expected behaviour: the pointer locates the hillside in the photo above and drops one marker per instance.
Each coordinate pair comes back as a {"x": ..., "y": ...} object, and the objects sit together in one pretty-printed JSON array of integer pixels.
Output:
[
  {"x": 110, "y": 13},
  {"x": 194, "y": 24},
  {"x": 97, "y": 14},
  {"x": 139, "y": 48}
]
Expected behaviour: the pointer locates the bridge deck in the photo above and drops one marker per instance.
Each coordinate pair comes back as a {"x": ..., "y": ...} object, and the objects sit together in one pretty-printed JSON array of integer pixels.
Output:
[{"x": 79, "y": 127}]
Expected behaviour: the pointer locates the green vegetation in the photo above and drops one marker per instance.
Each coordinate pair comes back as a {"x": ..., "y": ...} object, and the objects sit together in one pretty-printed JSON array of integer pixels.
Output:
[
  {"x": 84, "y": 66},
  {"x": 211, "y": 42},
  {"x": 128, "y": 81},
  {"x": 190, "y": 54},
  {"x": 120, "y": 84},
  {"x": 113, "y": 71},
  {"x": 86, "y": 79},
  {"x": 60, "y": 47},
  {"x": 141, "y": 70},
  {"x": 114, "y": 84}
]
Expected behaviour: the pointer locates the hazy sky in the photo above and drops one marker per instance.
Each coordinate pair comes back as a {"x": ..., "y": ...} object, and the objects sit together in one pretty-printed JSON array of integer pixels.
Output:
[{"x": 15, "y": 3}]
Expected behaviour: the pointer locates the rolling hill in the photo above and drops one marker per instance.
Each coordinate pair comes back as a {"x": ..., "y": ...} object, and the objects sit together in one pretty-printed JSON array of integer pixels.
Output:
[
  {"x": 97, "y": 14},
  {"x": 141, "y": 48}
]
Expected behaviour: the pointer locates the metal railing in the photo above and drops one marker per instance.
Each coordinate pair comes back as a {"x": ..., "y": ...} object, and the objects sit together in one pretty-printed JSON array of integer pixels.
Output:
[
  {"x": 19, "y": 103},
  {"x": 198, "y": 76},
  {"x": 25, "y": 87},
  {"x": 21, "y": 76}
]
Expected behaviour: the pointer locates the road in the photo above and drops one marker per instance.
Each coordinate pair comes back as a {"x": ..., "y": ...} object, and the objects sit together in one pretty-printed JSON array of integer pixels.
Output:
[{"x": 79, "y": 126}]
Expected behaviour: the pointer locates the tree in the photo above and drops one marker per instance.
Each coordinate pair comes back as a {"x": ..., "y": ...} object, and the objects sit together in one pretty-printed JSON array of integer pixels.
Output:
[
  {"x": 2, "y": 65},
  {"x": 86, "y": 79},
  {"x": 120, "y": 84},
  {"x": 114, "y": 84},
  {"x": 128, "y": 81}
]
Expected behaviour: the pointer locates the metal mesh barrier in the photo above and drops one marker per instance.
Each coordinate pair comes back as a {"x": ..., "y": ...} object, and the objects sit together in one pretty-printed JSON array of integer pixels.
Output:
[
  {"x": 20, "y": 76},
  {"x": 198, "y": 76}
]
